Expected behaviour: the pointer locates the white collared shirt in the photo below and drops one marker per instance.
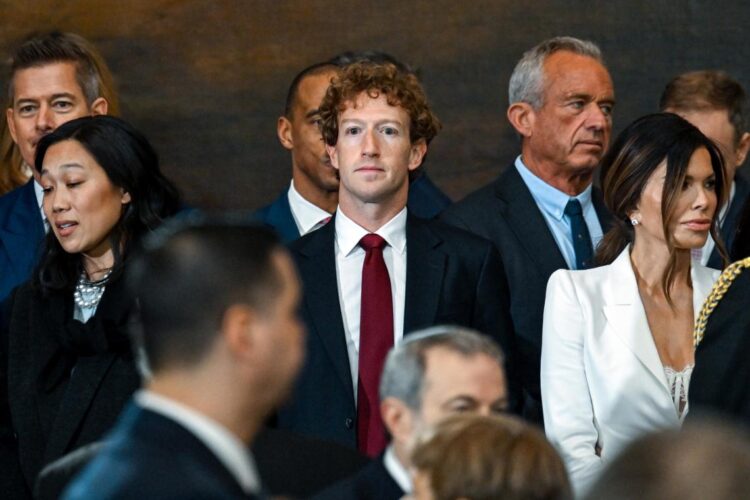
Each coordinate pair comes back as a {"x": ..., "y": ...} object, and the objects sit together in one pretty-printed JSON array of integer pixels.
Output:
[
  {"x": 397, "y": 470},
  {"x": 350, "y": 258},
  {"x": 39, "y": 192},
  {"x": 230, "y": 451},
  {"x": 708, "y": 248},
  {"x": 307, "y": 216}
]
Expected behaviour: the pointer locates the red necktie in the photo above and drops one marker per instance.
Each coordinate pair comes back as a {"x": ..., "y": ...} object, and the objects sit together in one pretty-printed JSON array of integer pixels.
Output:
[{"x": 375, "y": 339}]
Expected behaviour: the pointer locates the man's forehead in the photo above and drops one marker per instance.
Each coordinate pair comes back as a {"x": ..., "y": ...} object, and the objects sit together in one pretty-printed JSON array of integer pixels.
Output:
[
  {"x": 58, "y": 77},
  {"x": 312, "y": 88},
  {"x": 568, "y": 68}
]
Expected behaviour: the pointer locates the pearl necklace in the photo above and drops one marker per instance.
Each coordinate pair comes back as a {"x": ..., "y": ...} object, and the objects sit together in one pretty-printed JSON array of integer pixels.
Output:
[{"x": 89, "y": 293}]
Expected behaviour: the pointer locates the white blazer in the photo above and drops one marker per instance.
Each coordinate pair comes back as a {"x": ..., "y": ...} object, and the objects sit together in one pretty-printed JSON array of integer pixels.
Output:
[{"x": 602, "y": 381}]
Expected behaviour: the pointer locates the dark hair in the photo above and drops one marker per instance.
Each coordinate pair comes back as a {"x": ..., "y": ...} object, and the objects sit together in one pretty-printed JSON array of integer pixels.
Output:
[
  {"x": 708, "y": 90},
  {"x": 710, "y": 459},
  {"x": 189, "y": 275},
  {"x": 131, "y": 164},
  {"x": 400, "y": 88},
  {"x": 489, "y": 457},
  {"x": 626, "y": 168},
  {"x": 312, "y": 70}
]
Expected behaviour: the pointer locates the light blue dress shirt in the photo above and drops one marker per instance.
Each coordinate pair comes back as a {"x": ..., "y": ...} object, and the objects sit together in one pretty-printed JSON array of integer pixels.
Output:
[{"x": 551, "y": 202}]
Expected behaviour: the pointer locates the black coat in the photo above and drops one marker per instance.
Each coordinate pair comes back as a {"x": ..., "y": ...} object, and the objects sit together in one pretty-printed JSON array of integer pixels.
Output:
[
  {"x": 373, "y": 482},
  {"x": 61, "y": 393}
]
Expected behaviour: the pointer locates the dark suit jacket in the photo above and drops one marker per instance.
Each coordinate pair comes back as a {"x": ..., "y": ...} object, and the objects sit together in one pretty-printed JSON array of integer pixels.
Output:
[
  {"x": 505, "y": 213},
  {"x": 54, "y": 409},
  {"x": 731, "y": 223},
  {"x": 373, "y": 482},
  {"x": 452, "y": 277},
  {"x": 425, "y": 201},
  {"x": 719, "y": 383},
  {"x": 21, "y": 235},
  {"x": 150, "y": 456}
]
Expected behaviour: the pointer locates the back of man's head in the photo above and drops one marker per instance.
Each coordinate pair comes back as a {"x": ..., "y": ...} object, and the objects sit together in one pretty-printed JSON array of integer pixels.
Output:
[
  {"x": 92, "y": 73},
  {"x": 527, "y": 81},
  {"x": 404, "y": 371},
  {"x": 188, "y": 280},
  {"x": 707, "y": 90}
]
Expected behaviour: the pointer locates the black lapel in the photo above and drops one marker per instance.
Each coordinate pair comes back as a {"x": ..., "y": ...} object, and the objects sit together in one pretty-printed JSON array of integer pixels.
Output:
[
  {"x": 524, "y": 218},
  {"x": 316, "y": 258},
  {"x": 605, "y": 218},
  {"x": 280, "y": 217},
  {"x": 425, "y": 266}
]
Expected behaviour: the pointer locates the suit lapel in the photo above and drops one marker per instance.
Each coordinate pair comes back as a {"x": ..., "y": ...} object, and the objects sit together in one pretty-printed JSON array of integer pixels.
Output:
[
  {"x": 23, "y": 233},
  {"x": 281, "y": 218},
  {"x": 522, "y": 214},
  {"x": 424, "y": 274},
  {"x": 605, "y": 218},
  {"x": 627, "y": 317},
  {"x": 317, "y": 263}
]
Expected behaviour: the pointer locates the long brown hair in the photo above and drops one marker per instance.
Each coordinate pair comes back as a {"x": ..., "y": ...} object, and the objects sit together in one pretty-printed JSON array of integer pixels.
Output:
[{"x": 626, "y": 168}]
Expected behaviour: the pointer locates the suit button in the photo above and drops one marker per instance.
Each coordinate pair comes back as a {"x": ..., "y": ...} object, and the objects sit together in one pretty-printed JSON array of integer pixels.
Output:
[{"x": 349, "y": 423}]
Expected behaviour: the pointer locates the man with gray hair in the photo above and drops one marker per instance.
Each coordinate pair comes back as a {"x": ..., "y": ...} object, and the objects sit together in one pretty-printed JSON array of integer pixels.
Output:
[
  {"x": 543, "y": 213},
  {"x": 433, "y": 373}
]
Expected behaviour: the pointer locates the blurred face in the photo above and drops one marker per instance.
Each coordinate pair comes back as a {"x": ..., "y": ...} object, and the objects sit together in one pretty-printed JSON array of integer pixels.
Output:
[
  {"x": 694, "y": 210},
  {"x": 374, "y": 153},
  {"x": 80, "y": 202},
  {"x": 283, "y": 336},
  {"x": 571, "y": 129},
  {"x": 455, "y": 383},
  {"x": 45, "y": 98},
  {"x": 714, "y": 123},
  {"x": 301, "y": 135},
  {"x": 422, "y": 486}
]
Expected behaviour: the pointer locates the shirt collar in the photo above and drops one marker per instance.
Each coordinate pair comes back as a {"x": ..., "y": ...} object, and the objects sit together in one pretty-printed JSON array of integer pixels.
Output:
[
  {"x": 307, "y": 215},
  {"x": 549, "y": 198},
  {"x": 349, "y": 233},
  {"x": 396, "y": 469},
  {"x": 230, "y": 451},
  {"x": 39, "y": 192}
]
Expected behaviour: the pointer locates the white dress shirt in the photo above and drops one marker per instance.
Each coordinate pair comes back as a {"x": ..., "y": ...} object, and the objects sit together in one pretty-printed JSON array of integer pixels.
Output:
[
  {"x": 230, "y": 451},
  {"x": 39, "y": 192},
  {"x": 350, "y": 258},
  {"x": 307, "y": 216},
  {"x": 397, "y": 470}
]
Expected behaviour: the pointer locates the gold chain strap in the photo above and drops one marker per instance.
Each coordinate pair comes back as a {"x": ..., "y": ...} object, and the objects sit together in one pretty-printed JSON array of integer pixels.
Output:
[{"x": 717, "y": 292}]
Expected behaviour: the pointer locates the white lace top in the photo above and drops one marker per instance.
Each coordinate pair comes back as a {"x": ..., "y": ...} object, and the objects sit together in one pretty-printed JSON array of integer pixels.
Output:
[{"x": 678, "y": 383}]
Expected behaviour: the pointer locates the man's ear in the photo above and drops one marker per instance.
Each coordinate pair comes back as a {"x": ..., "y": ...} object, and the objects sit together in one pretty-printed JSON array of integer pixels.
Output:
[
  {"x": 100, "y": 106},
  {"x": 237, "y": 330},
  {"x": 11, "y": 125},
  {"x": 743, "y": 146},
  {"x": 416, "y": 155},
  {"x": 331, "y": 150},
  {"x": 284, "y": 131},
  {"x": 522, "y": 116},
  {"x": 398, "y": 419}
]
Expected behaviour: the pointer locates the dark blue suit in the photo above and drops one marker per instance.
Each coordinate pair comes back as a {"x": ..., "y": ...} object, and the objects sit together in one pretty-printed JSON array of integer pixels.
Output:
[
  {"x": 150, "y": 456},
  {"x": 452, "y": 277},
  {"x": 731, "y": 219},
  {"x": 21, "y": 236},
  {"x": 425, "y": 201},
  {"x": 505, "y": 213},
  {"x": 372, "y": 482}
]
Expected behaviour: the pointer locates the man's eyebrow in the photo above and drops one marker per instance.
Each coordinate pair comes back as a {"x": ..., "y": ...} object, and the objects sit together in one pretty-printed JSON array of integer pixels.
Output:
[{"x": 312, "y": 113}]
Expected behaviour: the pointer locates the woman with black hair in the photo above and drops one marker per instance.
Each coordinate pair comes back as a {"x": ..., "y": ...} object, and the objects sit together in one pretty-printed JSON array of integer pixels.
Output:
[
  {"x": 617, "y": 343},
  {"x": 68, "y": 360}
]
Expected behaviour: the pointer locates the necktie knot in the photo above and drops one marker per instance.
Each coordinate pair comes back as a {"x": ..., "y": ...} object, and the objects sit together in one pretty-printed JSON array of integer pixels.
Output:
[
  {"x": 573, "y": 208},
  {"x": 372, "y": 241}
]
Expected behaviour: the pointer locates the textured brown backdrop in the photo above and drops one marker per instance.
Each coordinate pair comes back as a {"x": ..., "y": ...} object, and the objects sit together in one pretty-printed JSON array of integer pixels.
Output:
[{"x": 206, "y": 80}]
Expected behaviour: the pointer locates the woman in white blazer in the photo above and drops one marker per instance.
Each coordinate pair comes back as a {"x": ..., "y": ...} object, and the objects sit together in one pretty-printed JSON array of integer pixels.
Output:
[{"x": 617, "y": 347}]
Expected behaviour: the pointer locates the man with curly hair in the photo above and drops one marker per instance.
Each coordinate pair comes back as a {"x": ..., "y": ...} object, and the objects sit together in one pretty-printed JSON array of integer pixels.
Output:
[{"x": 376, "y": 272}]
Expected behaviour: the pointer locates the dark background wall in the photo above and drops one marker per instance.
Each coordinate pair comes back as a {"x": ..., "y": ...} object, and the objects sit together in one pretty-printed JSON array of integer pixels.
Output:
[{"x": 206, "y": 79}]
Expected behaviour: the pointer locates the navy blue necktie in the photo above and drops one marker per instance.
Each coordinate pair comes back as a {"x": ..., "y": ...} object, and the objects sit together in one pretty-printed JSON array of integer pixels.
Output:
[{"x": 580, "y": 232}]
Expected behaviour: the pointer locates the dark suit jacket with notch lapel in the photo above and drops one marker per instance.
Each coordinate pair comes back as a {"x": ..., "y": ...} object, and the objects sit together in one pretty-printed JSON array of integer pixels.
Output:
[
  {"x": 425, "y": 200},
  {"x": 21, "y": 235},
  {"x": 732, "y": 220},
  {"x": 372, "y": 482},
  {"x": 452, "y": 277},
  {"x": 722, "y": 360},
  {"x": 49, "y": 419},
  {"x": 505, "y": 213},
  {"x": 148, "y": 455}
]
